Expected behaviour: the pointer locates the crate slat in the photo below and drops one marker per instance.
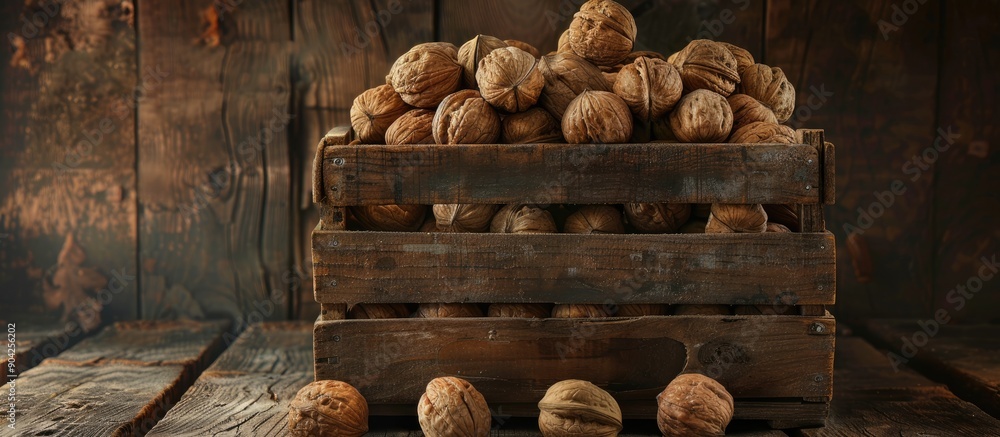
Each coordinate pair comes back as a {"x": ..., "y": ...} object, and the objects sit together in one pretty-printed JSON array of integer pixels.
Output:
[
  {"x": 386, "y": 267},
  {"x": 571, "y": 174}
]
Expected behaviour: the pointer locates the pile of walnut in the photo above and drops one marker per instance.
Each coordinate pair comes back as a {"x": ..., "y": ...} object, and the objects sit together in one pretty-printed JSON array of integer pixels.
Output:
[
  {"x": 691, "y": 405},
  {"x": 593, "y": 89}
]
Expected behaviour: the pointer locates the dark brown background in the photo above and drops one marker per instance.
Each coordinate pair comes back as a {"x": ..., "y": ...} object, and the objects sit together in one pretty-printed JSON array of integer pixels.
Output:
[{"x": 199, "y": 189}]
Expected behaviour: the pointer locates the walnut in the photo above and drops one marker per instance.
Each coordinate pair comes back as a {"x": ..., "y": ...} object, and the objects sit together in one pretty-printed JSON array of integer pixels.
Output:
[
  {"x": 597, "y": 117},
  {"x": 638, "y": 310},
  {"x": 452, "y": 407},
  {"x": 465, "y": 118},
  {"x": 748, "y": 110},
  {"x": 642, "y": 54},
  {"x": 603, "y": 32},
  {"x": 650, "y": 87},
  {"x": 777, "y": 228},
  {"x": 765, "y": 310},
  {"x": 464, "y": 217},
  {"x": 447, "y": 310},
  {"x": 578, "y": 408},
  {"x": 510, "y": 80},
  {"x": 657, "y": 218},
  {"x": 378, "y": 311},
  {"x": 770, "y": 87},
  {"x": 426, "y": 74},
  {"x": 374, "y": 111},
  {"x": 523, "y": 219},
  {"x": 397, "y": 218},
  {"x": 743, "y": 58},
  {"x": 762, "y": 132},
  {"x": 702, "y": 310},
  {"x": 413, "y": 127},
  {"x": 729, "y": 218},
  {"x": 520, "y": 310},
  {"x": 783, "y": 214},
  {"x": 695, "y": 226},
  {"x": 579, "y": 311},
  {"x": 566, "y": 76},
  {"x": 563, "y": 46},
  {"x": 595, "y": 219},
  {"x": 694, "y": 405},
  {"x": 706, "y": 64},
  {"x": 702, "y": 117},
  {"x": 657, "y": 130},
  {"x": 474, "y": 51},
  {"x": 328, "y": 408},
  {"x": 524, "y": 46},
  {"x": 535, "y": 125}
]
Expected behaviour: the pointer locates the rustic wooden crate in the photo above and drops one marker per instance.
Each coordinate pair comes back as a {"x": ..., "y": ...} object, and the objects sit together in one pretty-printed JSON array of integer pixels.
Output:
[{"x": 779, "y": 368}]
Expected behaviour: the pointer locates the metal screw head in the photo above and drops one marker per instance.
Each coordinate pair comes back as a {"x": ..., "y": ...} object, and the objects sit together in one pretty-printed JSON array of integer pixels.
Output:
[
  {"x": 818, "y": 378},
  {"x": 334, "y": 243},
  {"x": 336, "y": 338},
  {"x": 817, "y": 328},
  {"x": 338, "y": 161},
  {"x": 809, "y": 187},
  {"x": 809, "y": 161}
]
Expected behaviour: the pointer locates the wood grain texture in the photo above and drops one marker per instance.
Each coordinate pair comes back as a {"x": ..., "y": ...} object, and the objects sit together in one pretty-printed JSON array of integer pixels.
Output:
[
  {"x": 38, "y": 339},
  {"x": 965, "y": 194},
  {"x": 570, "y": 173},
  {"x": 216, "y": 195},
  {"x": 513, "y": 361},
  {"x": 248, "y": 389},
  {"x": 966, "y": 357},
  {"x": 872, "y": 399},
  {"x": 731, "y": 269},
  {"x": 111, "y": 384},
  {"x": 875, "y": 98}
]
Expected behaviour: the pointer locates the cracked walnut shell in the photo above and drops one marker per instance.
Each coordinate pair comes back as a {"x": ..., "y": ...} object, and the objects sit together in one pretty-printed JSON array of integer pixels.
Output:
[
  {"x": 452, "y": 407},
  {"x": 597, "y": 117},
  {"x": 603, "y": 32},
  {"x": 573, "y": 408},
  {"x": 426, "y": 74},
  {"x": 702, "y": 117},
  {"x": 465, "y": 118},
  {"x": 413, "y": 127},
  {"x": 743, "y": 57},
  {"x": 374, "y": 111},
  {"x": 472, "y": 52},
  {"x": 650, "y": 87},
  {"x": 510, "y": 80},
  {"x": 706, "y": 64},
  {"x": 770, "y": 86},
  {"x": 566, "y": 76},
  {"x": 328, "y": 408},
  {"x": 694, "y": 405}
]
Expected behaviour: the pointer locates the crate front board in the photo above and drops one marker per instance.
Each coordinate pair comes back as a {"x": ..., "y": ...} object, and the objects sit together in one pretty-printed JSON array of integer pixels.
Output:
[{"x": 779, "y": 368}]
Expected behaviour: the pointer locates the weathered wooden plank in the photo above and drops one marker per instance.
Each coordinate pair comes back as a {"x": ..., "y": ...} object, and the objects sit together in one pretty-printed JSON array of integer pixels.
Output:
[
  {"x": 216, "y": 195},
  {"x": 731, "y": 269},
  {"x": 873, "y": 399},
  {"x": 966, "y": 166},
  {"x": 513, "y": 361},
  {"x": 965, "y": 357},
  {"x": 115, "y": 383},
  {"x": 37, "y": 339},
  {"x": 248, "y": 389},
  {"x": 874, "y": 94},
  {"x": 570, "y": 173},
  {"x": 504, "y": 426}
]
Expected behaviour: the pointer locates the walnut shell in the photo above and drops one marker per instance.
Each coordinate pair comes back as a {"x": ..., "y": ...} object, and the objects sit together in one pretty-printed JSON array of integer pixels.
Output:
[
  {"x": 702, "y": 310},
  {"x": 595, "y": 219},
  {"x": 465, "y": 118},
  {"x": 597, "y": 117},
  {"x": 777, "y": 228},
  {"x": 706, "y": 64},
  {"x": 563, "y": 46},
  {"x": 426, "y": 74},
  {"x": 748, "y": 110},
  {"x": 535, "y": 125},
  {"x": 657, "y": 218},
  {"x": 374, "y": 111},
  {"x": 524, "y": 46},
  {"x": 328, "y": 408},
  {"x": 573, "y": 408},
  {"x": 743, "y": 58},
  {"x": 694, "y": 405},
  {"x": 643, "y": 54},
  {"x": 413, "y": 127},
  {"x": 520, "y": 310},
  {"x": 770, "y": 86},
  {"x": 566, "y": 76},
  {"x": 474, "y": 51},
  {"x": 378, "y": 311},
  {"x": 510, "y": 80},
  {"x": 730, "y": 218},
  {"x": 579, "y": 311},
  {"x": 638, "y": 310},
  {"x": 447, "y": 310},
  {"x": 783, "y": 214},
  {"x": 523, "y": 219},
  {"x": 761, "y": 132},
  {"x": 464, "y": 217},
  {"x": 695, "y": 226},
  {"x": 603, "y": 32},
  {"x": 452, "y": 407},
  {"x": 396, "y": 218},
  {"x": 650, "y": 87},
  {"x": 702, "y": 117}
]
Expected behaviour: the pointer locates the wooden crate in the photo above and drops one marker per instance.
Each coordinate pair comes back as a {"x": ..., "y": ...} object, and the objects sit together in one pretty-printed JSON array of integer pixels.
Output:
[{"x": 779, "y": 368}]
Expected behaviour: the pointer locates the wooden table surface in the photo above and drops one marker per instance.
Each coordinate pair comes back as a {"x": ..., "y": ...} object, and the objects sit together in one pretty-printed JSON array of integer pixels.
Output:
[{"x": 197, "y": 379}]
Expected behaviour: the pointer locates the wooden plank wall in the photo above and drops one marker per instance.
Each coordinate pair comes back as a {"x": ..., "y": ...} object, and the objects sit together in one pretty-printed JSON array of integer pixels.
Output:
[{"x": 218, "y": 226}]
